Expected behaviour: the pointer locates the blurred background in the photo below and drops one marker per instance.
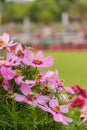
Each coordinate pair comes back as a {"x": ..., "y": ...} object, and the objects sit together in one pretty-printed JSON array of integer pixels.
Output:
[{"x": 46, "y": 24}]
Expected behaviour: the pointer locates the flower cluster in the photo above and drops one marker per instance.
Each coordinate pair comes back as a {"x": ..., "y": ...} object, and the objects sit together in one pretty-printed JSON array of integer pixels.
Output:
[{"x": 22, "y": 79}]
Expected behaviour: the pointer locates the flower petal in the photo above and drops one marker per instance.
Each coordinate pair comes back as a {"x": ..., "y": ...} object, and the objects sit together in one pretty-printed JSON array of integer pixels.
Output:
[
  {"x": 19, "y": 97},
  {"x": 64, "y": 108},
  {"x": 53, "y": 103}
]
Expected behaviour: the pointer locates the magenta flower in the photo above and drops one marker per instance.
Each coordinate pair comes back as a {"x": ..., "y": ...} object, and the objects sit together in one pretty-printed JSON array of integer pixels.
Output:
[
  {"x": 57, "y": 111},
  {"x": 78, "y": 90},
  {"x": 78, "y": 102}
]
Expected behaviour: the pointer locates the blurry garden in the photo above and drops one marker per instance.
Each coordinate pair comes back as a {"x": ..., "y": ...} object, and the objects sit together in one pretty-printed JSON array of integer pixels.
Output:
[
  {"x": 46, "y": 24},
  {"x": 43, "y": 59}
]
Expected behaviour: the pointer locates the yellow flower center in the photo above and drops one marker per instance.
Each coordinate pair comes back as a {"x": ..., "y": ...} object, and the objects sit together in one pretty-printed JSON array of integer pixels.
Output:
[
  {"x": 19, "y": 53},
  {"x": 38, "y": 77},
  {"x": 1, "y": 42},
  {"x": 4, "y": 63},
  {"x": 37, "y": 61},
  {"x": 56, "y": 108},
  {"x": 31, "y": 95},
  {"x": 1, "y": 78},
  {"x": 18, "y": 72}
]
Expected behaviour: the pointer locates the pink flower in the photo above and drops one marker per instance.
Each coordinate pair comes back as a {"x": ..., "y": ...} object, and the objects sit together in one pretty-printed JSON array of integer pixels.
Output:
[
  {"x": 30, "y": 97},
  {"x": 6, "y": 85},
  {"x": 4, "y": 42},
  {"x": 39, "y": 60},
  {"x": 78, "y": 90},
  {"x": 19, "y": 79},
  {"x": 84, "y": 114},
  {"x": 13, "y": 59},
  {"x": 58, "y": 85},
  {"x": 44, "y": 77},
  {"x": 19, "y": 50},
  {"x": 57, "y": 111},
  {"x": 27, "y": 95},
  {"x": 7, "y": 73},
  {"x": 78, "y": 102},
  {"x": 5, "y": 63}
]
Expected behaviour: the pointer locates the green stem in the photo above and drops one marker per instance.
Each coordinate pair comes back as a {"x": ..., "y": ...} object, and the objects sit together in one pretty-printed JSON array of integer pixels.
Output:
[{"x": 14, "y": 117}]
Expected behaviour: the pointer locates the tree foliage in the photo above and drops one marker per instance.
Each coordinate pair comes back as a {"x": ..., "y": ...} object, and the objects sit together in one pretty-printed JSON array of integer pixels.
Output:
[{"x": 45, "y": 11}]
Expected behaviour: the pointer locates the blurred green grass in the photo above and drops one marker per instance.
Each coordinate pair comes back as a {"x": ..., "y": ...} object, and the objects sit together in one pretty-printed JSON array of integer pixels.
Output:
[{"x": 71, "y": 65}]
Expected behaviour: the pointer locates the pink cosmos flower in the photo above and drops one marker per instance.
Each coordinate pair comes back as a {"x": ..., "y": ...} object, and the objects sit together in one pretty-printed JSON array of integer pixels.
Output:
[
  {"x": 84, "y": 114},
  {"x": 44, "y": 77},
  {"x": 58, "y": 85},
  {"x": 5, "y": 63},
  {"x": 26, "y": 56},
  {"x": 30, "y": 97},
  {"x": 6, "y": 74},
  {"x": 6, "y": 85},
  {"x": 57, "y": 111},
  {"x": 4, "y": 42},
  {"x": 16, "y": 57},
  {"x": 19, "y": 79},
  {"x": 20, "y": 56},
  {"x": 39, "y": 60},
  {"x": 78, "y": 102},
  {"x": 13, "y": 59},
  {"x": 19, "y": 50},
  {"x": 78, "y": 90}
]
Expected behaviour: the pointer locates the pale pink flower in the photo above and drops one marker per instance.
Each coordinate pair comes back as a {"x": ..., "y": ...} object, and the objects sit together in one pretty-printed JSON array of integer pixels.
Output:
[
  {"x": 44, "y": 77},
  {"x": 30, "y": 97},
  {"x": 19, "y": 50},
  {"x": 7, "y": 73},
  {"x": 58, "y": 85},
  {"x": 5, "y": 63},
  {"x": 6, "y": 85},
  {"x": 4, "y": 42},
  {"x": 39, "y": 60},
  {"x": 19, "y": 79},
  {"x": 56, "y": 110},
  {"x": 13, "y": 59},
  {"x": 84, "y": 114}
]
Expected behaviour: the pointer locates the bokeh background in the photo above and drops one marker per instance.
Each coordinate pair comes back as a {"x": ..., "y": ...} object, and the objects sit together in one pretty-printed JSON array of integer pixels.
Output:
[{"x": 59, "y": 27}]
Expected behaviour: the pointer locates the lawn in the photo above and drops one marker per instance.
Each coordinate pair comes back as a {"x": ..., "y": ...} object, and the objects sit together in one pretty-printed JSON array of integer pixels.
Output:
[{"x": 71, "y": 65}]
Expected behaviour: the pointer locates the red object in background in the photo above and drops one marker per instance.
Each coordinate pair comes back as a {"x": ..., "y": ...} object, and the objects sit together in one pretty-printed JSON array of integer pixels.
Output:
[{"x": 61, "y": 47}]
